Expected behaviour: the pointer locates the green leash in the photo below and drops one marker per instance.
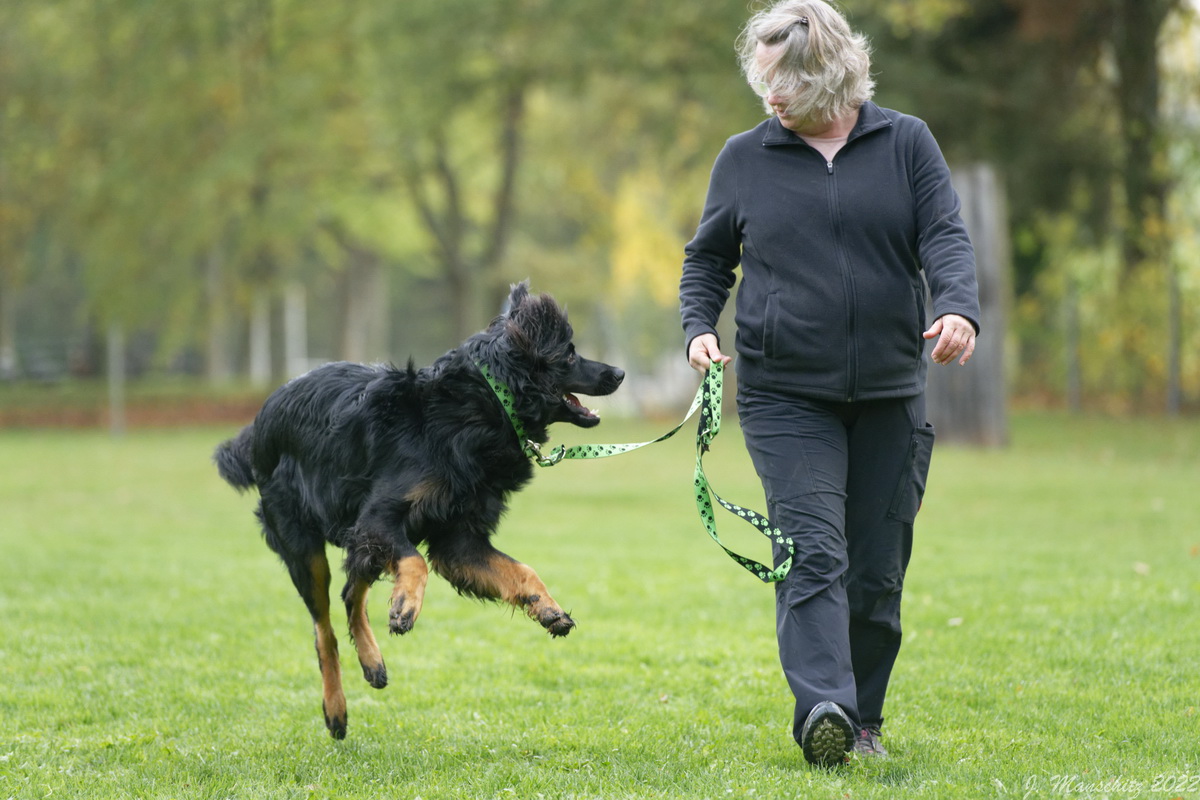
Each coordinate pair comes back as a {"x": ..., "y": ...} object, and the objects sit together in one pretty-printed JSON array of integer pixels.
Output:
[{"x": 708, "y": 400}]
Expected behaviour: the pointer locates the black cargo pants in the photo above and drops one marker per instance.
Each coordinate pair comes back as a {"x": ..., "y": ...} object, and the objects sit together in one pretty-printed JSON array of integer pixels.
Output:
[{"x": 844, "y": 481}]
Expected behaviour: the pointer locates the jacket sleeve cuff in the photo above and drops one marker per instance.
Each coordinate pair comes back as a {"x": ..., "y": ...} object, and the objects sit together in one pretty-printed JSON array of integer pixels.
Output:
[{"x": 691, "y": 333}]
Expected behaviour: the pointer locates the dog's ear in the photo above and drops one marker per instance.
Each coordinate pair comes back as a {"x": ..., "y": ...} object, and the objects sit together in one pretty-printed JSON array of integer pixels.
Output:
[
  {"x": 538, "y": 325},
  {"x": 518, "y": 294}
]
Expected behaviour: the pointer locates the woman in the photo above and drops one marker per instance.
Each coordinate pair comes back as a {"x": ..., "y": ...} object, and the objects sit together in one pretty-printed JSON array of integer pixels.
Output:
[{"x": 833, "y": 207}]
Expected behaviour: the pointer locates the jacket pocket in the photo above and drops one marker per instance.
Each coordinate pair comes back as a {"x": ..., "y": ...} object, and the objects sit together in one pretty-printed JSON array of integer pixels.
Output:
[
  {"x": 910, "y": 489},
  {"x": 770, "y": 322},
  {"x": 922, "y": 325}
]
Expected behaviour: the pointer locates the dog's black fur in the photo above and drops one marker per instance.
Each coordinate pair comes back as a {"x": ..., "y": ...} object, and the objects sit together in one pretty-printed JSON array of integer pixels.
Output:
[{"x": 378, "y": 460}]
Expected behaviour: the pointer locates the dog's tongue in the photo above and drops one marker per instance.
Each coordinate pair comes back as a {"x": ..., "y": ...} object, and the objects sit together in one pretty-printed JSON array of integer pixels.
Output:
[{"x": 573, "y": 400}]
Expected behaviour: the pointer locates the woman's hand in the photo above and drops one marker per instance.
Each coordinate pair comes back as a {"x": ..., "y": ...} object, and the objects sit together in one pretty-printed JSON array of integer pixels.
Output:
[
  {"x": 704, "y": 350},
  {"x": 955, "y": 335}
]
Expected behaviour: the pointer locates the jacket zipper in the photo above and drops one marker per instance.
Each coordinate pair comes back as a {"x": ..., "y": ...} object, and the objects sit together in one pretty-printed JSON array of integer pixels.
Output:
[
  {"x": 847, "y": 277},
  {"x": 847, "y": 286}
]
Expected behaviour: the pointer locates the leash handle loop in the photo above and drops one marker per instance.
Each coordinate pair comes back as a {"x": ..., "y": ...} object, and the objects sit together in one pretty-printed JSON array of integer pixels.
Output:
[{"x": 710, "y": 425}]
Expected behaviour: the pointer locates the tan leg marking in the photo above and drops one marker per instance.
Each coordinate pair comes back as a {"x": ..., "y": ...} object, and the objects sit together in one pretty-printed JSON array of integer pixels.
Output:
[
  {"x": 334, "y": 702},
  {"x": 369, "y": 657},
  {"x": 408, "y": 594},
  {"x": 504, "y": 578}
]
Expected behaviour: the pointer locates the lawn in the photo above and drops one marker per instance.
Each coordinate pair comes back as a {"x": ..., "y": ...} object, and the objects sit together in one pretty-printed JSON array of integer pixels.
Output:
[{"x": 152, "y": 647}]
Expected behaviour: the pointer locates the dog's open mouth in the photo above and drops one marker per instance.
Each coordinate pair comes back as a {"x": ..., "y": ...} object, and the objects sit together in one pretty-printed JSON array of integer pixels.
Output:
[{"x": 578, "y": 413}]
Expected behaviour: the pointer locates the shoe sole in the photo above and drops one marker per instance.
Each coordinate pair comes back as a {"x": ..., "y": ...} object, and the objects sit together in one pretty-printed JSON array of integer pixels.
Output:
[{"x": 831, "y": 738}]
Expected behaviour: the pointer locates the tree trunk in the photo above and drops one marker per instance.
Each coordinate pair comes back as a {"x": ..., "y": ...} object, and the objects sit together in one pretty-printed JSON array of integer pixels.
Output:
[
  {"x": 1144, "y": 244},
  {"x": 476, "y": 287},
  {"x": 363, "y": 306},
  {"x": 295, "y": 330},
  {"x": 260, "y": 338},
  {"x": 970, "y": 405},
  {"x": 504, "y": 208},
  {"x": 362, "y": 300},
  {"x": 1072, "y": 346},
  {"x": 8, "y": 328},
  {"x": 1174, "y": 342},
  {"x": 1136, "y": 51},
  {"x": 219, "y": 362}
]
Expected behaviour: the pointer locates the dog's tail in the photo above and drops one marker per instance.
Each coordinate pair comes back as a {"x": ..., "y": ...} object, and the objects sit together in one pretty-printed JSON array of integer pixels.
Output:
[{"x": 233, "y": 460}]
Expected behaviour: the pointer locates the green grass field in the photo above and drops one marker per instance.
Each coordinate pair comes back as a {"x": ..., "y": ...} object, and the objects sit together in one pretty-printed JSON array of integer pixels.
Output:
[{"x": 152, "y": 647}]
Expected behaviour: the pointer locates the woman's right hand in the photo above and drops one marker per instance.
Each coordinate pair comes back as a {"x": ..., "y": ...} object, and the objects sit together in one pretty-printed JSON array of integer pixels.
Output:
[{"x": 703, "y": 351}]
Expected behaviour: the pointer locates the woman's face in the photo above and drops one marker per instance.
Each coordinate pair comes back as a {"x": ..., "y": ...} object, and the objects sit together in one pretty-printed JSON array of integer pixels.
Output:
[{"x": 764, "y": 56}]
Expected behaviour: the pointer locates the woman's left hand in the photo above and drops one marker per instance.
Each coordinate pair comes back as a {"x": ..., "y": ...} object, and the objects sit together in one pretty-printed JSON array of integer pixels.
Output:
[{"x": 955, "y": 335}]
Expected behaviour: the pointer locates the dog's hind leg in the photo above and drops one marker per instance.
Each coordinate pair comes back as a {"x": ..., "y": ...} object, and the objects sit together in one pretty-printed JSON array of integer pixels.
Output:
[
  {"x": 312, "y": 581},
  {"x": 379, "y": 544},
  {"x": 302, "y": 549},
  {"x": 485, "y": 572},
  {"x": 369, "y": 657}
]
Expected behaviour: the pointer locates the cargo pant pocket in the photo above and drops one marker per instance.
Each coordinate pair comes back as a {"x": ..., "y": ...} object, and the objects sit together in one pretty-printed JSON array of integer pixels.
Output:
[{"x": 910, "y": 489}]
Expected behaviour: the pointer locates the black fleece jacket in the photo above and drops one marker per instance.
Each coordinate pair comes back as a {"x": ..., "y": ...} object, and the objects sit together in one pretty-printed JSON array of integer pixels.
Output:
[{"x": 831, "y": 303}]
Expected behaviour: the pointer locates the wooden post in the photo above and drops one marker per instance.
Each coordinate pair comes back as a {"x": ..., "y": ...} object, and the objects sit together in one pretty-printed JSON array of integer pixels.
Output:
[
  {"x": 1073, "y": 347},
  {"x": 219, "y": 366},
  {"x": 8, "y": 328},
  {"x": 1174, "y": 341},
  {"x": 116, "y": 379},
  {"x": 969, "y": 405},
  {"x": 260, "y": 338},
  {"x": 295, "y": 330}
]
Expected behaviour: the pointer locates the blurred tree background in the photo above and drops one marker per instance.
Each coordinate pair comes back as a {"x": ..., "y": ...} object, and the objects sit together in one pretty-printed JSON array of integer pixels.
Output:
[{"x": 237, "y": 188}]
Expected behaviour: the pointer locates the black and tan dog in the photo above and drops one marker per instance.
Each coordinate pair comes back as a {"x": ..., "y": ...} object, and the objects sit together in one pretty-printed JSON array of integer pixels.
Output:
[{"x": 378, "y": 460}]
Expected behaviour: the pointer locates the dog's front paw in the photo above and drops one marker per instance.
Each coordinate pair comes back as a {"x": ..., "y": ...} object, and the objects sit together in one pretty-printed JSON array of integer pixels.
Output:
[
  {"x": 547, "y": 613},
  {"x": 401, "y": 620},
  {"x": 558, "y": 623}
]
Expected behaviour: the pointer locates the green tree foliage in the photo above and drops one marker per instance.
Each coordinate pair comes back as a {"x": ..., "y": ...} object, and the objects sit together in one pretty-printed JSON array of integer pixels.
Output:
[
  {"x": 1067, "y": 98},
  {"x": 205, "y": 152},
  {"x": 190, "y": 160}
]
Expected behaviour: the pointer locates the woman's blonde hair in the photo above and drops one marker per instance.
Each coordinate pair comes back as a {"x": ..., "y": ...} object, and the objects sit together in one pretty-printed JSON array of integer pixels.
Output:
[{"x": 815, "y": 59}]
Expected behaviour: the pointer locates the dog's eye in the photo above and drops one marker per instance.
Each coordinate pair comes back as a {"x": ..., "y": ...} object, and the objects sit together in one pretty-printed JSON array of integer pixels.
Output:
[{"x": 572, "y": 357}]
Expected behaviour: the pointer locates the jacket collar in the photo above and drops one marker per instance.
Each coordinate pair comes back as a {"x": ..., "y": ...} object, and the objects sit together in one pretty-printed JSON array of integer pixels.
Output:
[{"x": 870, "y": 118}]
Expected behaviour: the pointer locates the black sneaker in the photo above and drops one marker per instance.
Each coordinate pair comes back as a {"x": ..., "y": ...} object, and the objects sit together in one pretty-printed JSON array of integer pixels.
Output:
[
  {"x": 867, "y": 743},
  {"x": 827, "y": 735}
]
